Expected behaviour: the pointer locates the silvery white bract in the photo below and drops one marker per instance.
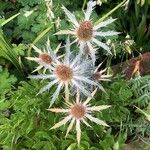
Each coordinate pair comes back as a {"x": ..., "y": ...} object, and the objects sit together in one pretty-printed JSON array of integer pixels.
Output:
[
  {"x": 79, "y": 112},
  {"x": 68, "y": 73},
  {"x": 86, "y": 33},
  {"x": 46, "y": 57}
]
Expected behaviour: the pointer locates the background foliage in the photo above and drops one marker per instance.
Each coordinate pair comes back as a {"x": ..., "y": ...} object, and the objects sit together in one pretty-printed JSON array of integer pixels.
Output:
[{"x": 24, "y": 120}]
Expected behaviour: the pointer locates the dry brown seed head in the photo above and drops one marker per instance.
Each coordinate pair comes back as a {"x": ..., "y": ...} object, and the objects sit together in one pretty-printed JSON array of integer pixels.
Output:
[
  {"x": 85, "y": 31},
  {"x": 46, "y": 58},
  {"x": 78, "y": 111},
  {"x": 64, "y": 72}
]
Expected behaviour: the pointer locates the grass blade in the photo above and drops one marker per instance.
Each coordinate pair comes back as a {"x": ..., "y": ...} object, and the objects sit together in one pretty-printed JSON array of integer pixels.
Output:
[{"x": 110, "y": 12}]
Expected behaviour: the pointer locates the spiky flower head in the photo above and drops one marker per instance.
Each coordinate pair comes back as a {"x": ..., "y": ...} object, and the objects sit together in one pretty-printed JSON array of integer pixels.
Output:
[
  {"x": 45, "y": 58},
  {"x": 69, "y": 72},
  {"x": 79, "y": 112},
  {"x": 86, "y": 32},
  {"x": 99, "y": 75}
]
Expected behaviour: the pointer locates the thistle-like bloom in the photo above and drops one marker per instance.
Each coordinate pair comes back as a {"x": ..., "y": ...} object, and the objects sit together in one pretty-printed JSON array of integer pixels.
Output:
[
  {"x": 79, "y": 112},
  {"x": 45, "y": 58},
  {"x": 86, "y": 33},
  {"x": 100, "y": 75},
  {"x": 68, "y": 72}
]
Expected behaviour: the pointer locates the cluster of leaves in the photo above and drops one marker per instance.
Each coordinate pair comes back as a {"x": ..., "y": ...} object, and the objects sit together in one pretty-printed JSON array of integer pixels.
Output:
[
  {"x": 27, "y": 125},
  {"x": 26, "y": 29},
  {"x": 11, "y": 52},
  {"x": 24, "y": 121},
  {"x": 6, "y": 81},
  {"x": 136, "y": 24}
]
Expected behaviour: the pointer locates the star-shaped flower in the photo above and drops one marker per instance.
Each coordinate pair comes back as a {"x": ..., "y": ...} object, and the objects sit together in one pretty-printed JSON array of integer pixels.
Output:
[
  {"x": 86, "y": 32},
  {"x": 79, "y": 112},
  {"x": 74, "y": 72},
  {"x": 100, "y": 75},
  {"x": 45, "y": 57}
]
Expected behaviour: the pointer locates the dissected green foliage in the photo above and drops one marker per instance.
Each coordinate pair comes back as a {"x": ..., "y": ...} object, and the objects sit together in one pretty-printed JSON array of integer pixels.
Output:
[
  {"x": 28, "y": 124},
  {"x": 6, "y": 80},
  {"x": 24, "y": 121}
]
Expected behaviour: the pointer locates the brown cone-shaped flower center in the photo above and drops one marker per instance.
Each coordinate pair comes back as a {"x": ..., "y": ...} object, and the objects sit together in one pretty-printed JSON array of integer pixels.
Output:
[
  {"x": 78, "y": 111},
  {"x": 46, "y": 58},
  {"x": 85, "y": 31},
  {"x": 64, "y": 72},
  {"x": 96, "y": 76}
]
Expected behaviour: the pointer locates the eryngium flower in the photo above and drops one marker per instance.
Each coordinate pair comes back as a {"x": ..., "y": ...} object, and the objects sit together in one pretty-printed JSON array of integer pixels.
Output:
[
  {"x": 69, "y": 72},
  {"x": 86, "y": 33},
  {"x": 100, "y": 75},
  {"x": 79, "y": 112},
  {"x": 45, "y": 58}
]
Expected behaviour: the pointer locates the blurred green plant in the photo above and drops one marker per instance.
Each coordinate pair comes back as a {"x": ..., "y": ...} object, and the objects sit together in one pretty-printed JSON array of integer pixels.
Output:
[
  {"x": 7, "y": 50},
  {"x": 8, "y": 53},
  {"x": 134, "y": 22}
]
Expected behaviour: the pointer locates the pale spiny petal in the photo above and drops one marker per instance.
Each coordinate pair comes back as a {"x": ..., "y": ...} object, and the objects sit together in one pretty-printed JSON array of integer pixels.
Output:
[
  {"x": 103, "y": 79},
  {"x": 77, "y": 97},
  {"x": 67, "y": 55},
  {"x": 61, "y": 56},
  {"x": 81, "y": 46},
  {"x": 103, "y": 45},
  {"x": 58, "y": 110},
  {"x": 74, "y": 40},
  {"x": 102, "y": 71},
  {"x": 71, "y": 16},
  {"x": 78, "y": 130},
  {"x": 104, "y": 23},
  {"x": 41, "y": 76},
  {"x": 108, "y": 33},
  {"x": 56, "y": 93},
  {"x": 77, "y": 58},
  {"x": 33, "y": 58},
  {"x": 90, "y": 7},
  {"x": 57, "y": 48},
  {"x": 106, "y": 76},
  {"x": 62, "y": 122},
  {"x": 84, "y": 79},
  {"x": 51, "y": 53},
  {"x": 81, "y": 88},
  {"x": 98, "y": 108},
  {"x": 97, "y": 67},
  {"x": 64, "y": 32},
  {"x": 70, "y": 126},
  {"x": 82, "y": 65},
  {"x": 38, "y": 68},
  {"x": 96, "y": 120},
  {"x": 36, "y": 49},
  {"x": 89, "y": 98},
  {"x": 92, "y": 52},
  {"x": 86, "y": 123},
  {"x": 66, "y": 92},
  {"x": 48, "y": 43},
  {"x": 48, "y": 86}
]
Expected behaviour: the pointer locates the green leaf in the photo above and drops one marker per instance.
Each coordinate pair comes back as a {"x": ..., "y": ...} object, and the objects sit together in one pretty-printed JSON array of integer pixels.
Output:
[
  {"x": 4, "y": 104},
  {"x": 73, "y": 146},
  {"x": 9, "y": 19},
  {"x": 8, "y": 53},
  {"x": 6, "y": 81},
  {"x": 110, "y": 12}
]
